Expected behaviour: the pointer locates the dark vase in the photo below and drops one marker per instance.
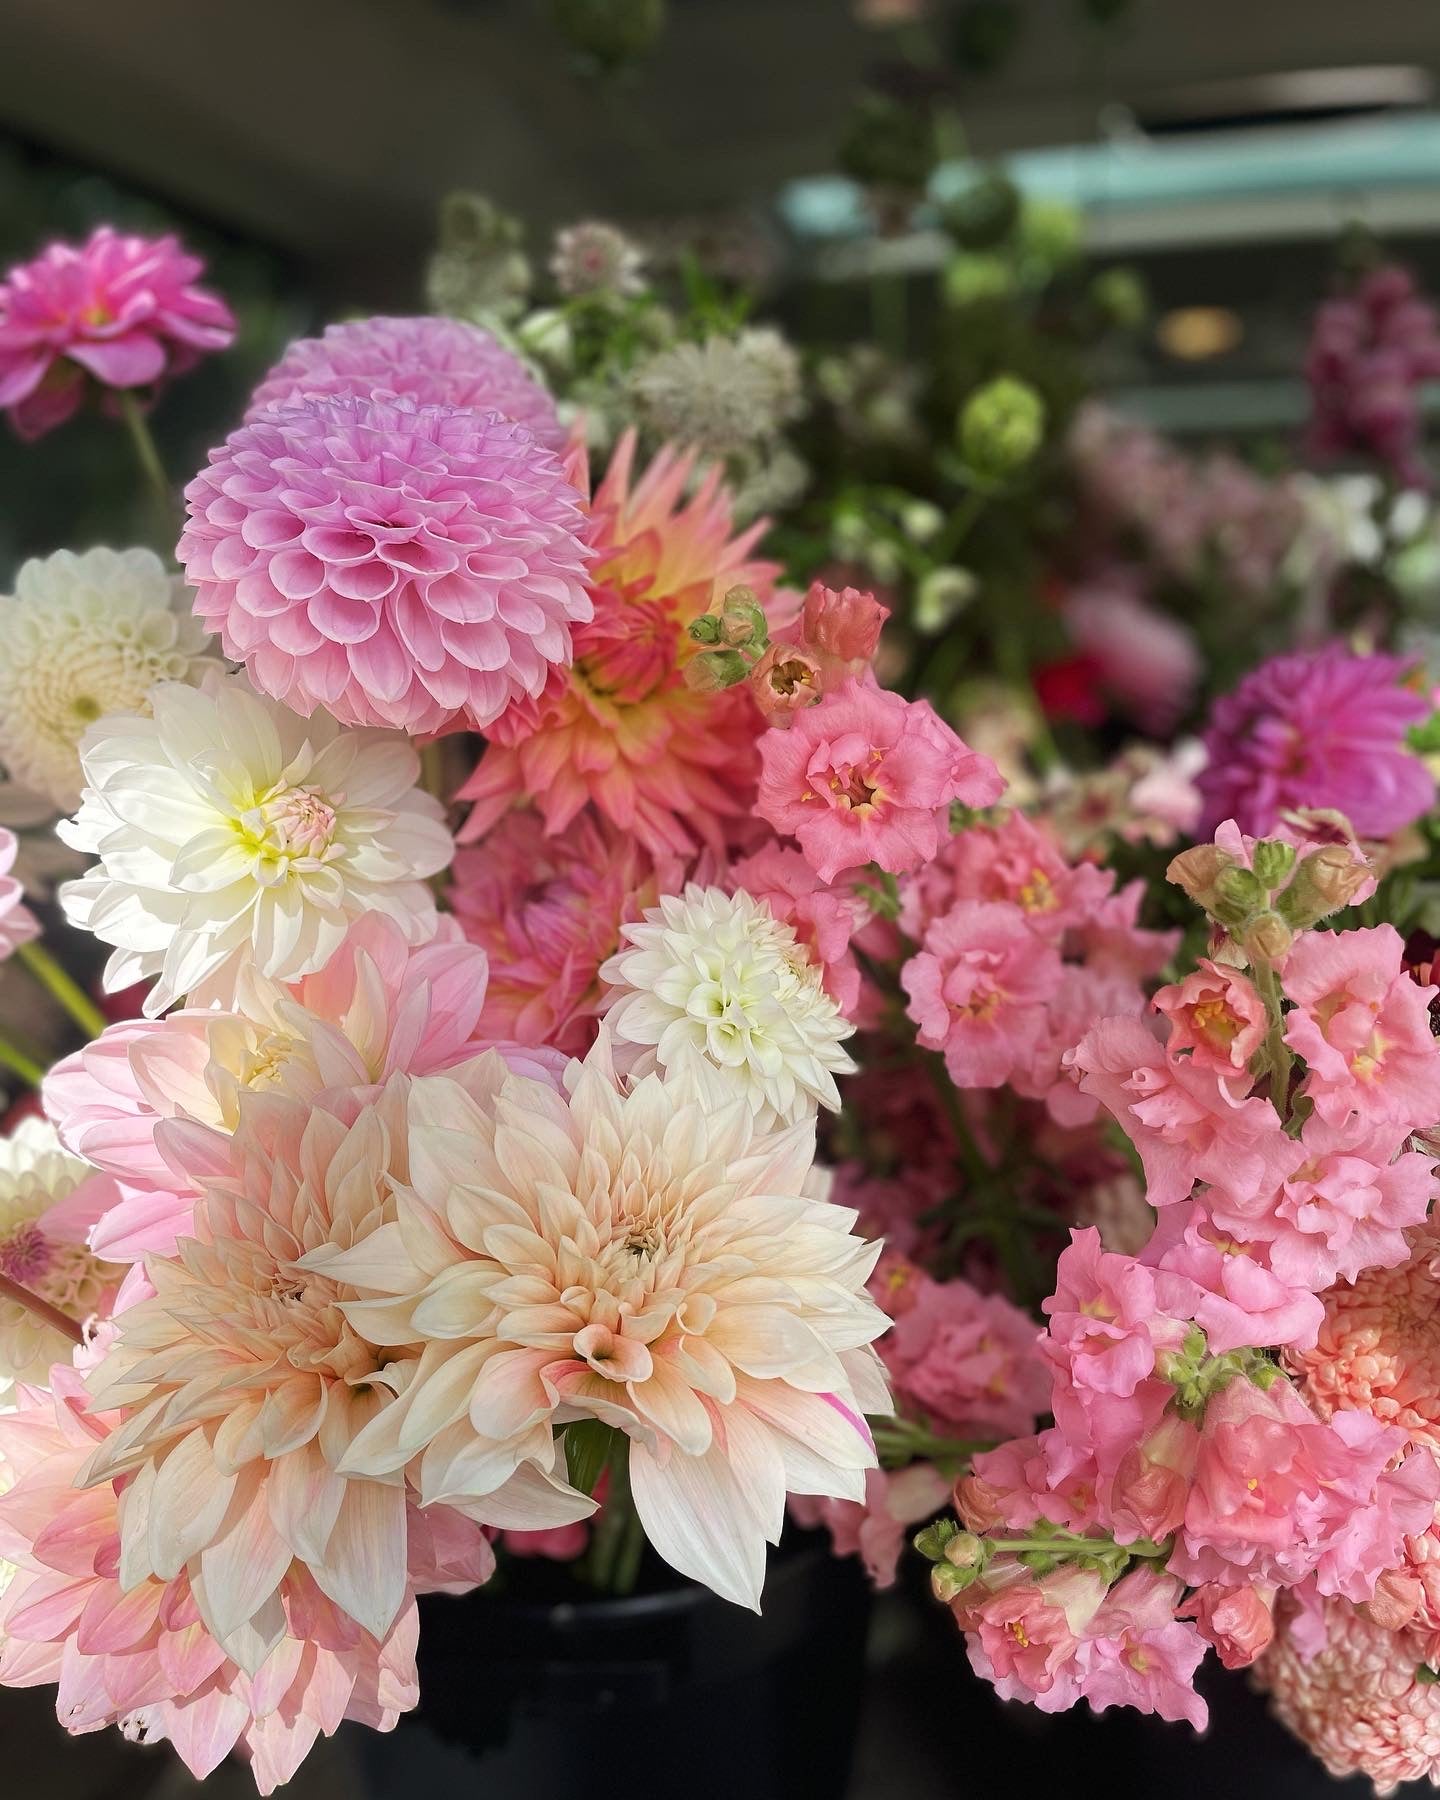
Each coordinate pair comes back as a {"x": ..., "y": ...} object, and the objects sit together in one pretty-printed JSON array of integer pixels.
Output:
[{"x": 529, "y": 1696}]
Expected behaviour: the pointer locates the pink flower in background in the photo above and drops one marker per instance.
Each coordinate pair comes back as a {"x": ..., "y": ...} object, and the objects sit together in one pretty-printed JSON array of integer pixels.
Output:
[
  {"x": 119, "y": 310},
  {"x": 1187, "y": 1122},
  {"x": 18, "y": 925},
  {"x": 547, "y": 911},
  {"x": 1363, "y": 1027},
  {"x": 1151, "y": 1484},
  {"x": 1355, "y": 1701},
  {"x": 1216, "y": 1014},
  {"x": 967, "y": 1362},
  {"x": 136, "y": 1652},
  {"x": 878, "y": 1530},
  {"x": 1135, "y": 1652},
  {"x": 435, "y": 362},
  {"x": 1230, "y": 1290},
  {"x": 1370, "y": 352},
  {"x": 823, "y": 918},
  {"x": 867, "y": 776},
  {"x": 1319, "y": 728},
  {"x": 1015, "y": 859},
  {"x": 1150, "y": 663},
  {"x": 977, "y": 990},
  {"x": 425, "y": 601}
]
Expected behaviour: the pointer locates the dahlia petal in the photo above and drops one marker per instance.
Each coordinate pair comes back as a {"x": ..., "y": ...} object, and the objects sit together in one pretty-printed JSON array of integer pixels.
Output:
[{"x": 698, "y": 1518}]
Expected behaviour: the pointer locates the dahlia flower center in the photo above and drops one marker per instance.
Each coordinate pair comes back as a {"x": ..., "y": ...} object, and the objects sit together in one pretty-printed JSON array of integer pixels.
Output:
[
  {"x": 263, "y": 1066},
  {"x": 293, "y": 824},
  {"x": 26, "y": 1255}
]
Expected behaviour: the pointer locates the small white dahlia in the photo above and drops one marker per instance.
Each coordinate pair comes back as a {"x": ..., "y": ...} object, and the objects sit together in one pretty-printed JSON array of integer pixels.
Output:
[
  {"x": 83, "y": 636},
  {"x": 636, "y": 1254},
  {"x": 48, "y": 1202},
  {"x": 719, "y": 974},
  {"x": 231, "y": 832}
]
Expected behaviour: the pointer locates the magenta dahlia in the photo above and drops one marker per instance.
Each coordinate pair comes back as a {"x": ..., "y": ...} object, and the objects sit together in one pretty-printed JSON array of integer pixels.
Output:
[
  {"x": 402, "y": 565},
  {"x": 121, "y": 311},
  {"x": 436, "y": 362},
  {"x": 1322, "y": 728}
]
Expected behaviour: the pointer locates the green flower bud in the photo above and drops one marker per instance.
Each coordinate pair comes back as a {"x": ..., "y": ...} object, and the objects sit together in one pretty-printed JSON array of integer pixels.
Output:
[
  {"x": 1121, "y": 298},
  {"x": 714, "y": 670},
  {"x": 743, "y": 624},
  {"x": 972, "y": 278},
  {"x": 932, "y": 1540},
  {"x": 984, "y": 215},
  {"x": 1273, "y": 861},
  {"x": 920, "y": 520},
  {"x": 890, "y": 143},
  {"x": 948, "y": 1584},
  {"x": 941, "y": 596},
  {"x": 1001, "y": 427},
  {"x": 1326, "y": 880},
  {"x": 1267, "y": 938},
  {"x": 705, "y": 629},
  {"x": 1241, "y": 888},
  {"x": 1050, "y": 235}
]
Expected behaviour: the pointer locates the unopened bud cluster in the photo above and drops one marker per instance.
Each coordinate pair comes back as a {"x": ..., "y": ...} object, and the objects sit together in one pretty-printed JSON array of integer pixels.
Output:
[{"x": 1284, "y": 890}]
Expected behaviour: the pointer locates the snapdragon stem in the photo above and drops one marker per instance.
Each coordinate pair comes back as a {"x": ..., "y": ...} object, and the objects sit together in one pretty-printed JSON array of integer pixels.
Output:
[
  {"x": 1278, "y": 1053},
  {"x": 63, "y": 988},
  {"x": 145, "y": 450},
  {"x": 41, "y": 1309},
  {"x": 1066, "y": 1543}
]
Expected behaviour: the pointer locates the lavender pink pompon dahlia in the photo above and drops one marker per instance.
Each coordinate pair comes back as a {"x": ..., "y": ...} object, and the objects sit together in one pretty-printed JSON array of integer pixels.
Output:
[
  {"x": 123, "y": 311},
  {"x": 402, "y": 565},
  {"x": 1322, "y": 728},
  {"x": 436, "y": 362}
]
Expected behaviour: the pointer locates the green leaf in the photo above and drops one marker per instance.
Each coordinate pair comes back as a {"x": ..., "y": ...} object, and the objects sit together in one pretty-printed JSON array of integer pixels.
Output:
[{"x": 587, "y": 1448}]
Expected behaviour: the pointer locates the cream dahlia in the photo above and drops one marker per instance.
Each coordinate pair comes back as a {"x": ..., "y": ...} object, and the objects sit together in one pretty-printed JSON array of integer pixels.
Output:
[
  {"x": 416, "y": 566},
  {"x": 719, "y": 974},
  {"x": 83, "y": 636},
  {"x": 637, "y": 1255},
  {"x": 244, "y": 1383},
  {"x": 229, "y": 831},
  {"x": 48, "y": 1202},
  {"x": 435, "y": 362}
]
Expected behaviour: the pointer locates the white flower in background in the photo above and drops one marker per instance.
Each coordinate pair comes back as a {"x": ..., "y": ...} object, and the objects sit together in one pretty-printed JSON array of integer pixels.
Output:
[
  {"x": 722, "y": 396},
  {"x": 595, "y": 258},
  {"x": 641, "y": 1256},
  {"x": 230, "y": 831},
  {"x": 83, "y": 636},
  {"x": 48, "y": 1202},
  {"x": 719, "y": 974}
]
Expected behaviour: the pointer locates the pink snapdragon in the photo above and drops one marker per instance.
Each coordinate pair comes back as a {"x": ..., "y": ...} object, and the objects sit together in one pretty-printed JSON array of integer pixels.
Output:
[
  {"x": 1023, "y": 1632},
  {"x": 1363, "y": 1027},
  {"x": 867, "y": 776},
  {"x": 1135, "y": 1651},
  {"x": 1229, "y": 1289},
  {"x": 1106, "y": 1322},
  {"x": 1238, "y": 1621},
  {"x": 977, "y": 991},
  {"x": 1217, "y": 1015},
  {"x": 1187, "y": 1122},
  {"x": 122, "y": 311},
  {"x": 834, "y": 639}
]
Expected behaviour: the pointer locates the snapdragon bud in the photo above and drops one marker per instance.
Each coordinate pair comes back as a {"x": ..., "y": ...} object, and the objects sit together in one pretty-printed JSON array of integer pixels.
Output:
[
  {"x": 932, "y": 1540},
  {"x": 1001, "y": 427},
  {"x": 1198, "y": 871},
  {"x": 1326, "y": 880},
  {"x": 1273, "y": 861},
  {"x": 1267, "y": 937},
  {"x": 941, "y": 596},
  {"x": 714, "y": 670},
  {"x": 743, "y": 625}
]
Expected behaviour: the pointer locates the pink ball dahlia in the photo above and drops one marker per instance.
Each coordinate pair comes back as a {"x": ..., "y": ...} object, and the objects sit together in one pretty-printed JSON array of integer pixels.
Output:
[
  {"x": 1357, "y": 1704},
  {"x": 435, "y": 362},
  {"x": 417, "y": 567},
  {"x": 1322, "y": 728},
  {"x": 123, "y": 311}
]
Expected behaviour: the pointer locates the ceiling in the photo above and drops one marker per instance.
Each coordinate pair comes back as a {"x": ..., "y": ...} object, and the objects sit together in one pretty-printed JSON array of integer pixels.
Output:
[{"x": 329, "y": 128}]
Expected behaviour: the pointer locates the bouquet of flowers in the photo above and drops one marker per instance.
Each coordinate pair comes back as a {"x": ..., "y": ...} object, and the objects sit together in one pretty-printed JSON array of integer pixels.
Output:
[{"x": 508, "y": 868}]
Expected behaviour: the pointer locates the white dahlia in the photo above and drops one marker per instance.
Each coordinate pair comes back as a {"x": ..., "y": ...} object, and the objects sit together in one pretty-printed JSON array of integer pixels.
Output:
[
  {"x": 231, "y": 832},
  {"x": 719, "y": 974},
  {"x": 83, "y": 636},
  {"x": 637, "y": 1255},
  {"x": 48, "y": 1202}
]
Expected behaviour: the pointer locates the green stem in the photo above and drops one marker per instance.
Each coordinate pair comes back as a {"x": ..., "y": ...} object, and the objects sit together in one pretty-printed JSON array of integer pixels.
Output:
[
  {"x": 1277, "y": 1052},
  {"x": 887, "y": 310},
  {"x": 20, "y": 1064},
  {"x": 145, "y": 450},
  {"x": 48, "y": 972},
  {"x": 957, "y": 527},
  {"x": 1066, "y": 1543},
  {"x": 617, "y": 1541}
]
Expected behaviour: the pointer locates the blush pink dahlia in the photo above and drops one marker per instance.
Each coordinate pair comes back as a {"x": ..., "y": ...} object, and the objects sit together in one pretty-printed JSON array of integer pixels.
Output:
[
  {"x": 620, "y": 731},
  {"x": 137, "y": 1653},
  {"x": 415, "y": 566},
  {"x": 118, "y": 310},
  {"x": 433, "y": 362},
  {"x": 1321, "y": 728},
  {"x": 866, "y": 776}
]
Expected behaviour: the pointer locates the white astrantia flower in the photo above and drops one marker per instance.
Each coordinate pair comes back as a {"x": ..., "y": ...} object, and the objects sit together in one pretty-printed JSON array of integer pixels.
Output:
[
  {"x": 723, "y": 396},
  {"x": 48, "y": 1202},
  {"x": 232, "y": 833},
  {"x": 636, "y": 1253},
  {"x": 720, "y": 974},
  {"x": 83, "y": 636}
]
